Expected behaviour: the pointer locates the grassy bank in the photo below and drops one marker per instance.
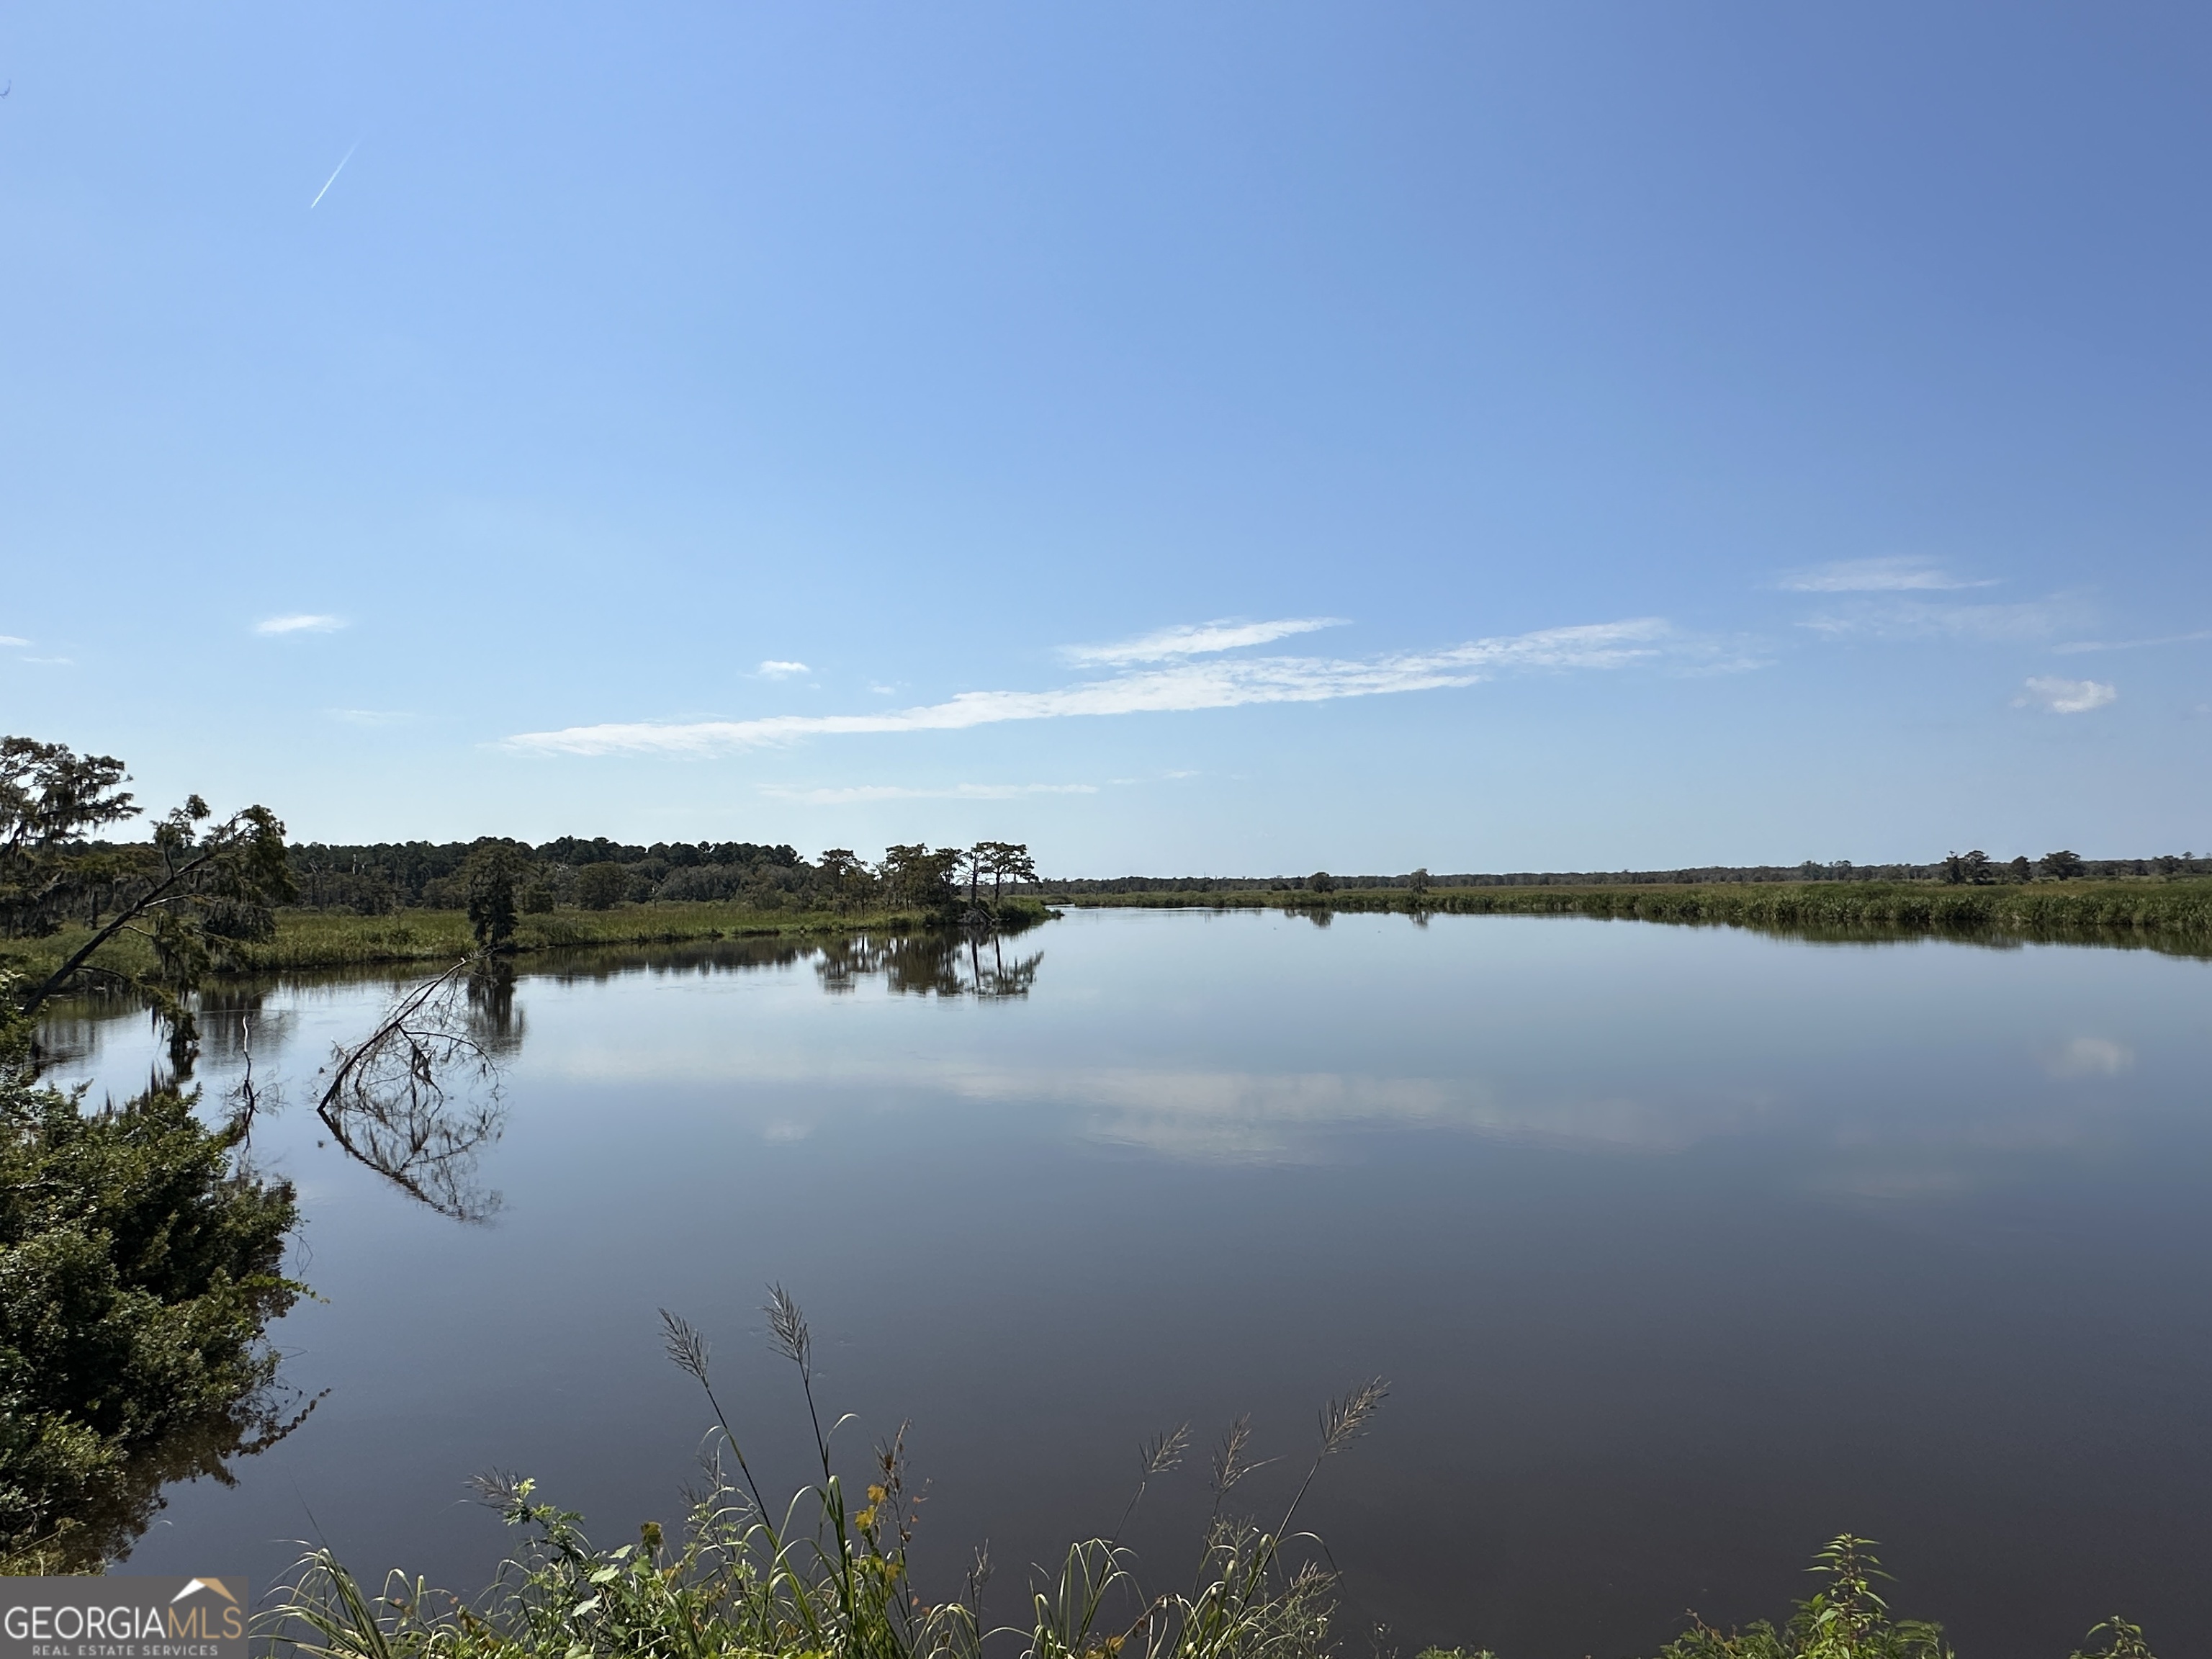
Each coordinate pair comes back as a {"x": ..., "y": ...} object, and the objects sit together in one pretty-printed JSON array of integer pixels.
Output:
[
  {"x": 2175, "y": 913},
  {"x": 339, "y": 938}
]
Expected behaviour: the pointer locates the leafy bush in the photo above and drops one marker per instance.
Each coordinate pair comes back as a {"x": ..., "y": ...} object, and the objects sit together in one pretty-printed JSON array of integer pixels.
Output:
[
  {"x": 1846, "y": 1618},
  {"x": 138, "y": 1268}
]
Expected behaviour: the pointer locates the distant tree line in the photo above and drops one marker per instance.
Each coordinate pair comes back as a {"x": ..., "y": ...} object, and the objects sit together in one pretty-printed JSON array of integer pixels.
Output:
[
  {"x": 495, "y": 879},
  {"x": 375, "y": 878},
  {"x": 1972, "y": 868}
]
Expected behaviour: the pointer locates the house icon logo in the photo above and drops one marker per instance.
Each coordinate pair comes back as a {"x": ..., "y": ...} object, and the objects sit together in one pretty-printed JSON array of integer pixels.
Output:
[{"x": 198, "y": 1584}]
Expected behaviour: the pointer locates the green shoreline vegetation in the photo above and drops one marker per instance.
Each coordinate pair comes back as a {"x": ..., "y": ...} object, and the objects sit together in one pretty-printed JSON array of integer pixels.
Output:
[
  {"x": 303, "y": 939},
  {"x": 2162, "y": 913}
]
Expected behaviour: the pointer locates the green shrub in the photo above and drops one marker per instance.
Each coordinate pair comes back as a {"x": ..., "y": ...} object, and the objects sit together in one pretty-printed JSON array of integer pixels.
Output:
[{"x": 138, "y": 1269}]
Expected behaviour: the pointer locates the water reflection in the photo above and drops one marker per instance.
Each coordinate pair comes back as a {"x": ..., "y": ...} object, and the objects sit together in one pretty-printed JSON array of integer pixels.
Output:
[
  {"x": 929, "y": 964},
  {"x": 110, "y": 1516},
  {"x": 418, "y": 1099}
]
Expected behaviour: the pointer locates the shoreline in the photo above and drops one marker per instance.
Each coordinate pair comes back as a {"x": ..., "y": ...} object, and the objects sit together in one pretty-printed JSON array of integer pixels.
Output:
[
  {"x": 331, "y": 938},
  {"x": 2170, "y": 916},
  {"x": 2175, "y": 916}
]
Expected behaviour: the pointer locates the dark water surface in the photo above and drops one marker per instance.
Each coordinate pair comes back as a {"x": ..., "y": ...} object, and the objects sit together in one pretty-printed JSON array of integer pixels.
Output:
[{"x": 1682, "y": 1251}]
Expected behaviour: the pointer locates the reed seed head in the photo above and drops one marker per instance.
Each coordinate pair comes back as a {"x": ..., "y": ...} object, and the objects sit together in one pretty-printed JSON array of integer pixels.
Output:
[
  {"x": 787, "y": 1327},
  {"x": 1228, "y": 1464},
  {"x": 1345, "y": 1419},
  {"x": 502, "y": 1489},
  {"x": 1164, "y": 1452},
  {"x": 685, "y": 1345}
]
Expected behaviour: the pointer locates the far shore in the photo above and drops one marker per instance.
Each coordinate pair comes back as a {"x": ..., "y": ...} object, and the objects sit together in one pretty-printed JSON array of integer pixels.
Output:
[{"x": 2173, "y": 915}]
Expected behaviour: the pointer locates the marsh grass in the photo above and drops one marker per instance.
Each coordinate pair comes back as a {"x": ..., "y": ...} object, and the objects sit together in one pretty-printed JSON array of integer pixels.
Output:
[
  {"x": 337, "y": 938},
  {"x": 824, "y": 1576},
  {"x": 2167, "y": 915}
]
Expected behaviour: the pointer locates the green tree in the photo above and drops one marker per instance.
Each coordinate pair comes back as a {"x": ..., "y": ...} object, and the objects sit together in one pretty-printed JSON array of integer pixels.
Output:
[
  {"x": 50, "y": 799},
  {"x": 1000, "y": 861},
  {"x": 2063, "y": 866},
  {"x": 1962, "y": 868},
  {"x": 491, "y": 880},
  {"x": 1320, "y": 882},
  {"x": 601, "y": 886},
  {"x": 844, "y": 875},
  {"x": 916, "y": 878},
  {"x": 193, "y": 884}
]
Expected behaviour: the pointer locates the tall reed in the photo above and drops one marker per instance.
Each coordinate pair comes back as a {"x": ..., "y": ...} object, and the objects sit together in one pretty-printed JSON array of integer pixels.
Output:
[{"x": 823, "y": 1579}]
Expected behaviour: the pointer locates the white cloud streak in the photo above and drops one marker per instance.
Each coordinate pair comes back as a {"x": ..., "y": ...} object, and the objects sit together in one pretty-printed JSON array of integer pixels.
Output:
[
  {"x": 870, "y": 792},
  {"x": 775, "y": 669},
  {"x": 2062, "y": 696},
  {"x": 1169, "y": 643},
  {"x": 10, "y": 639},
  {"x": 1230, "y": 683},
  {"x": 299, "y": 625},
  {"x": 2074, "y": 645},
  {"x": 1897, "y": 575}
]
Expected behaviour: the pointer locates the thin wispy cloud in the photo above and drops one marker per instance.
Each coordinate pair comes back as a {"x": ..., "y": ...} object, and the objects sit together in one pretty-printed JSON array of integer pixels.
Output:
[
  {"x": 1230, "y": 682},
  {"x": 776, "y": 669},
  {"x": 10, "y": 639},
  {"x": 299, "y": 625},
  {"x": 870, "y": 792},
  {"x": 2072, "y": 646},
  {"x": 1893, "y": 575},
  {"x": 2056, "y": 696},
  {"x": 1197, "y": 640},
  {"x": 1924, "y": 619}
]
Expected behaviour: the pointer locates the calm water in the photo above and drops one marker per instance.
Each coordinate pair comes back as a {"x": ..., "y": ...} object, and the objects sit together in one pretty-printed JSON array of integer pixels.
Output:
[{"x": 1682, "y": 1251}]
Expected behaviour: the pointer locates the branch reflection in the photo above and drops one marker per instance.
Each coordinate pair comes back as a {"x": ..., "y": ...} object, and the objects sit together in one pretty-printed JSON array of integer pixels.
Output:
[{"x": 419, "y": 1099}]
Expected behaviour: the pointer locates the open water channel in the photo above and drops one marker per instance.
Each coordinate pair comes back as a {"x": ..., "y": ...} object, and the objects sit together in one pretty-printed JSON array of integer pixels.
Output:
[{"x": 1682, "y": 1251}]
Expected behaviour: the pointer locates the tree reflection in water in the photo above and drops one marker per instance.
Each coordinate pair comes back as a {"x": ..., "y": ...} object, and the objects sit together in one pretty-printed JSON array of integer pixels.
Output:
[
  {"x": 419, "y": 1100},
  {"x": 970, "y": 963}
]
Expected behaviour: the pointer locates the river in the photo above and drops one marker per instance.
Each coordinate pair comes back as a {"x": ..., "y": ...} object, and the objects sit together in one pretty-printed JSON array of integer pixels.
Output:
[{"x": 1682, "y": 1249}]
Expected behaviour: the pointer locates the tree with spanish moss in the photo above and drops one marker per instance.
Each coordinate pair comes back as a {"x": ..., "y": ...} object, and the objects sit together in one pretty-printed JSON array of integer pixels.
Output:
[{"x": 195, "y": 883}]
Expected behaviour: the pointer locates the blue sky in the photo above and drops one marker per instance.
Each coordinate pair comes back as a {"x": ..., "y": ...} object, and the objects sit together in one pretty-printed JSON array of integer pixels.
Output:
[{"x": 1207, "y": 439}]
